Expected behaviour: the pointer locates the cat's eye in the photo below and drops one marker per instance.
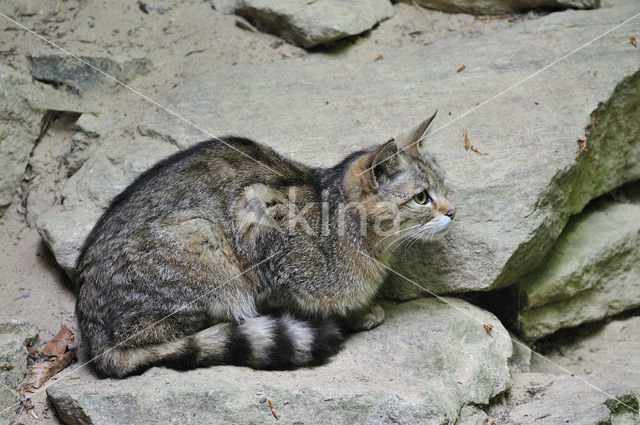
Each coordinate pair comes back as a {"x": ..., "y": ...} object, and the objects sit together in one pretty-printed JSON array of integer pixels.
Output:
[{"x": 422, "y": 197}]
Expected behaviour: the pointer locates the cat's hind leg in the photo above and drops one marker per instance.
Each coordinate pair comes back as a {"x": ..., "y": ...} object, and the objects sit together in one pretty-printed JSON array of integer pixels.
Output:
[{"x": 365, "y": 320}]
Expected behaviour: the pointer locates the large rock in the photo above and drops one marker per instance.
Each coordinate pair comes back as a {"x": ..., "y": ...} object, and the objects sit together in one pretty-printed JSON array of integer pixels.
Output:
[
  {"x": 553, "y": 399},
  {"x": 497, "y": 7},
  {"x": 427, "y": 361},
  {"x": 309, "y": 24},
  {"x": 15, "y": 334},
  {"x": 592, "y": 272},
  {"x": 512, "y": 204}
]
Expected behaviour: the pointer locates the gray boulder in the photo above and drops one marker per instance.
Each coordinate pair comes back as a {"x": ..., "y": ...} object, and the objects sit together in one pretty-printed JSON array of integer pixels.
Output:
[
  {"x": 592, "y": 272},
  {"x": 497, "y": 7},
  {"x": 308, "y": 23},
  {"x": 15, "y": 334},
  {"x": 512, "y": 203},
  {"x": 561, "y": 399},
  {"x": 427, "y": 361}
]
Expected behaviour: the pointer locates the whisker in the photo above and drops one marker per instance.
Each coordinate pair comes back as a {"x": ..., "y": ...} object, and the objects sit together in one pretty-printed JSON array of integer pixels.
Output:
[
  {"x": 400, "y": 238},
  {"x": 395, "y": 233}
]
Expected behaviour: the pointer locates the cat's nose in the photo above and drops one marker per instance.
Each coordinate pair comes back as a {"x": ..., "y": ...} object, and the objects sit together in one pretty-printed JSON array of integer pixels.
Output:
[{"x": 451, "y": 213}]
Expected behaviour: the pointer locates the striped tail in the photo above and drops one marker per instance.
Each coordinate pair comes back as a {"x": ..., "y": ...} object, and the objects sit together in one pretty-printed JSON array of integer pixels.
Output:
[{"x": 265, "y": 342}]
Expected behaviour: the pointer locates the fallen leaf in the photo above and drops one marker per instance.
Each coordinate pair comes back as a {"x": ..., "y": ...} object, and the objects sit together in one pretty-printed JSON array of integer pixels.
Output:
[
  {"x": 244, "y": 26},
  {"x": 7, "y": 367},
  {"x": 311, "y": 2},
  {"x": 44, "y": 370},
  {"x": 465, "y": 133},
  {"x": 378, "y": 58},
  {"x": 488, "y": 328},
  {"x": 462, "y": 68},
  {"x": 582, "y": 146},
  {"x": 273, "y": 410},
  {"x": 634, "y": 42},
  {"x": 58, "y": 345},
  {"x": 473, "y": 148}
]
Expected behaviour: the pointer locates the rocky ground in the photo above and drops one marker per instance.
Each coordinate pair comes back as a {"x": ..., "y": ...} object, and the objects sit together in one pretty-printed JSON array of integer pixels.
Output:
[{"x": 307, "y": 80}]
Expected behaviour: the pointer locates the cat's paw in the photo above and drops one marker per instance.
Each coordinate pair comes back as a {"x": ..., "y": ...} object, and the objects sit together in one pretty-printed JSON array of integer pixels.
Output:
[{"x": 367, "y": 320}]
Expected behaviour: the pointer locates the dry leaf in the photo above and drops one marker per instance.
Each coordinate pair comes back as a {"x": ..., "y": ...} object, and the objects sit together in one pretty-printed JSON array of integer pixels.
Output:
[
  {"x": 378, "y": 58},
  {"x": 43, "y": 370},
  {"x": 244, "y": 25},
  {"x": 473, "y": 148},
  {"x": 273, "y": 410},
  {"x": 582, "y": 146},
  {"x": 634, "y": 42},
  {"x": 58, "y": 345},
  {"x": 467, "y": 145},
  {"x": 488, "y": 328},
  {"x": 462, "y": 68}
]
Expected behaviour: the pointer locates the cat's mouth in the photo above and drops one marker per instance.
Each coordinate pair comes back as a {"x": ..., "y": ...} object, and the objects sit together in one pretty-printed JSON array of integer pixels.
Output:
[{"x": 437, "y": 230}]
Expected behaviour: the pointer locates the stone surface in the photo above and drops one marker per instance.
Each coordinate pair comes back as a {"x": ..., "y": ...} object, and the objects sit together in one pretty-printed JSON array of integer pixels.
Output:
[
  {"x": 427, "y": 361},
  {"x": 23, "y": 106},
  {"x": 309, "y": 24},
  {"x": 520, "y": 361},
  {"x": 60, "y": 68},
  {"x": 17, "y": 8},
  {"x": 497, "y": 7},
  {"x": 512, "y": 204},
  {"x": 14, "y": 335},
  {"x": 596, "y": 351},
  {"x": 592, "y": 272},
  {"x": 552, "y": 399},
  {"x": 19, "y": 129},
  {"x": 114, "y": 165}
]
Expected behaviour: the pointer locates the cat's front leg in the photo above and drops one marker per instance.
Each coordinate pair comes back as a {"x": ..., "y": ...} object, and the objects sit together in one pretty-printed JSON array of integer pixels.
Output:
[{"x": 365, "y": 320}]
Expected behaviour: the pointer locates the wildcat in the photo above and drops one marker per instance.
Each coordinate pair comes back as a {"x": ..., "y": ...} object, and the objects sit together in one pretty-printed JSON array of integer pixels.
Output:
[{"x": 181, "y": 268}]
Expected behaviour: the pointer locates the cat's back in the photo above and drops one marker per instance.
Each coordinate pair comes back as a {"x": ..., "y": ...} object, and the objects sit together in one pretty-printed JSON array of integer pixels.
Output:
[{"x": 203, "y": 181}]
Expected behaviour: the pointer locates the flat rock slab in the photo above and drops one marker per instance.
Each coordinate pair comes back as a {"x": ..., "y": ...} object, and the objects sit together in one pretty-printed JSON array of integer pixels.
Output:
[
  {"x": 512, "y": 203},
  {"x": 309, "y": 24},
  {"x": 552, "y": 399},
  {"x": 427, "y": 361},
  {"x": 497, "y": 7},
  {"x": 592, "y": 272},
  {"x": 83, "y": 76}
]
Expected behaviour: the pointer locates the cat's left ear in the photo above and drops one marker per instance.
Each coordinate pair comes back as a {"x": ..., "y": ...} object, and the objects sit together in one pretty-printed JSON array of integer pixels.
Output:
[{"x": 409, "y": 141}]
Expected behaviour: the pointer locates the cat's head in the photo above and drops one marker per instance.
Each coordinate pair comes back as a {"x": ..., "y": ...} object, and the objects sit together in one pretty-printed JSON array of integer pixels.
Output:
[{"x": 402, "y": 190}]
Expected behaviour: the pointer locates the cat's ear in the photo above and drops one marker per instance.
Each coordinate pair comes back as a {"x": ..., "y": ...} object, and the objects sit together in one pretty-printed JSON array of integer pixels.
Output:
[
  {"x": 364, "y": 175},
  {"x": 409, "y": 141},
  {"x": 383, "y": 160}
]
